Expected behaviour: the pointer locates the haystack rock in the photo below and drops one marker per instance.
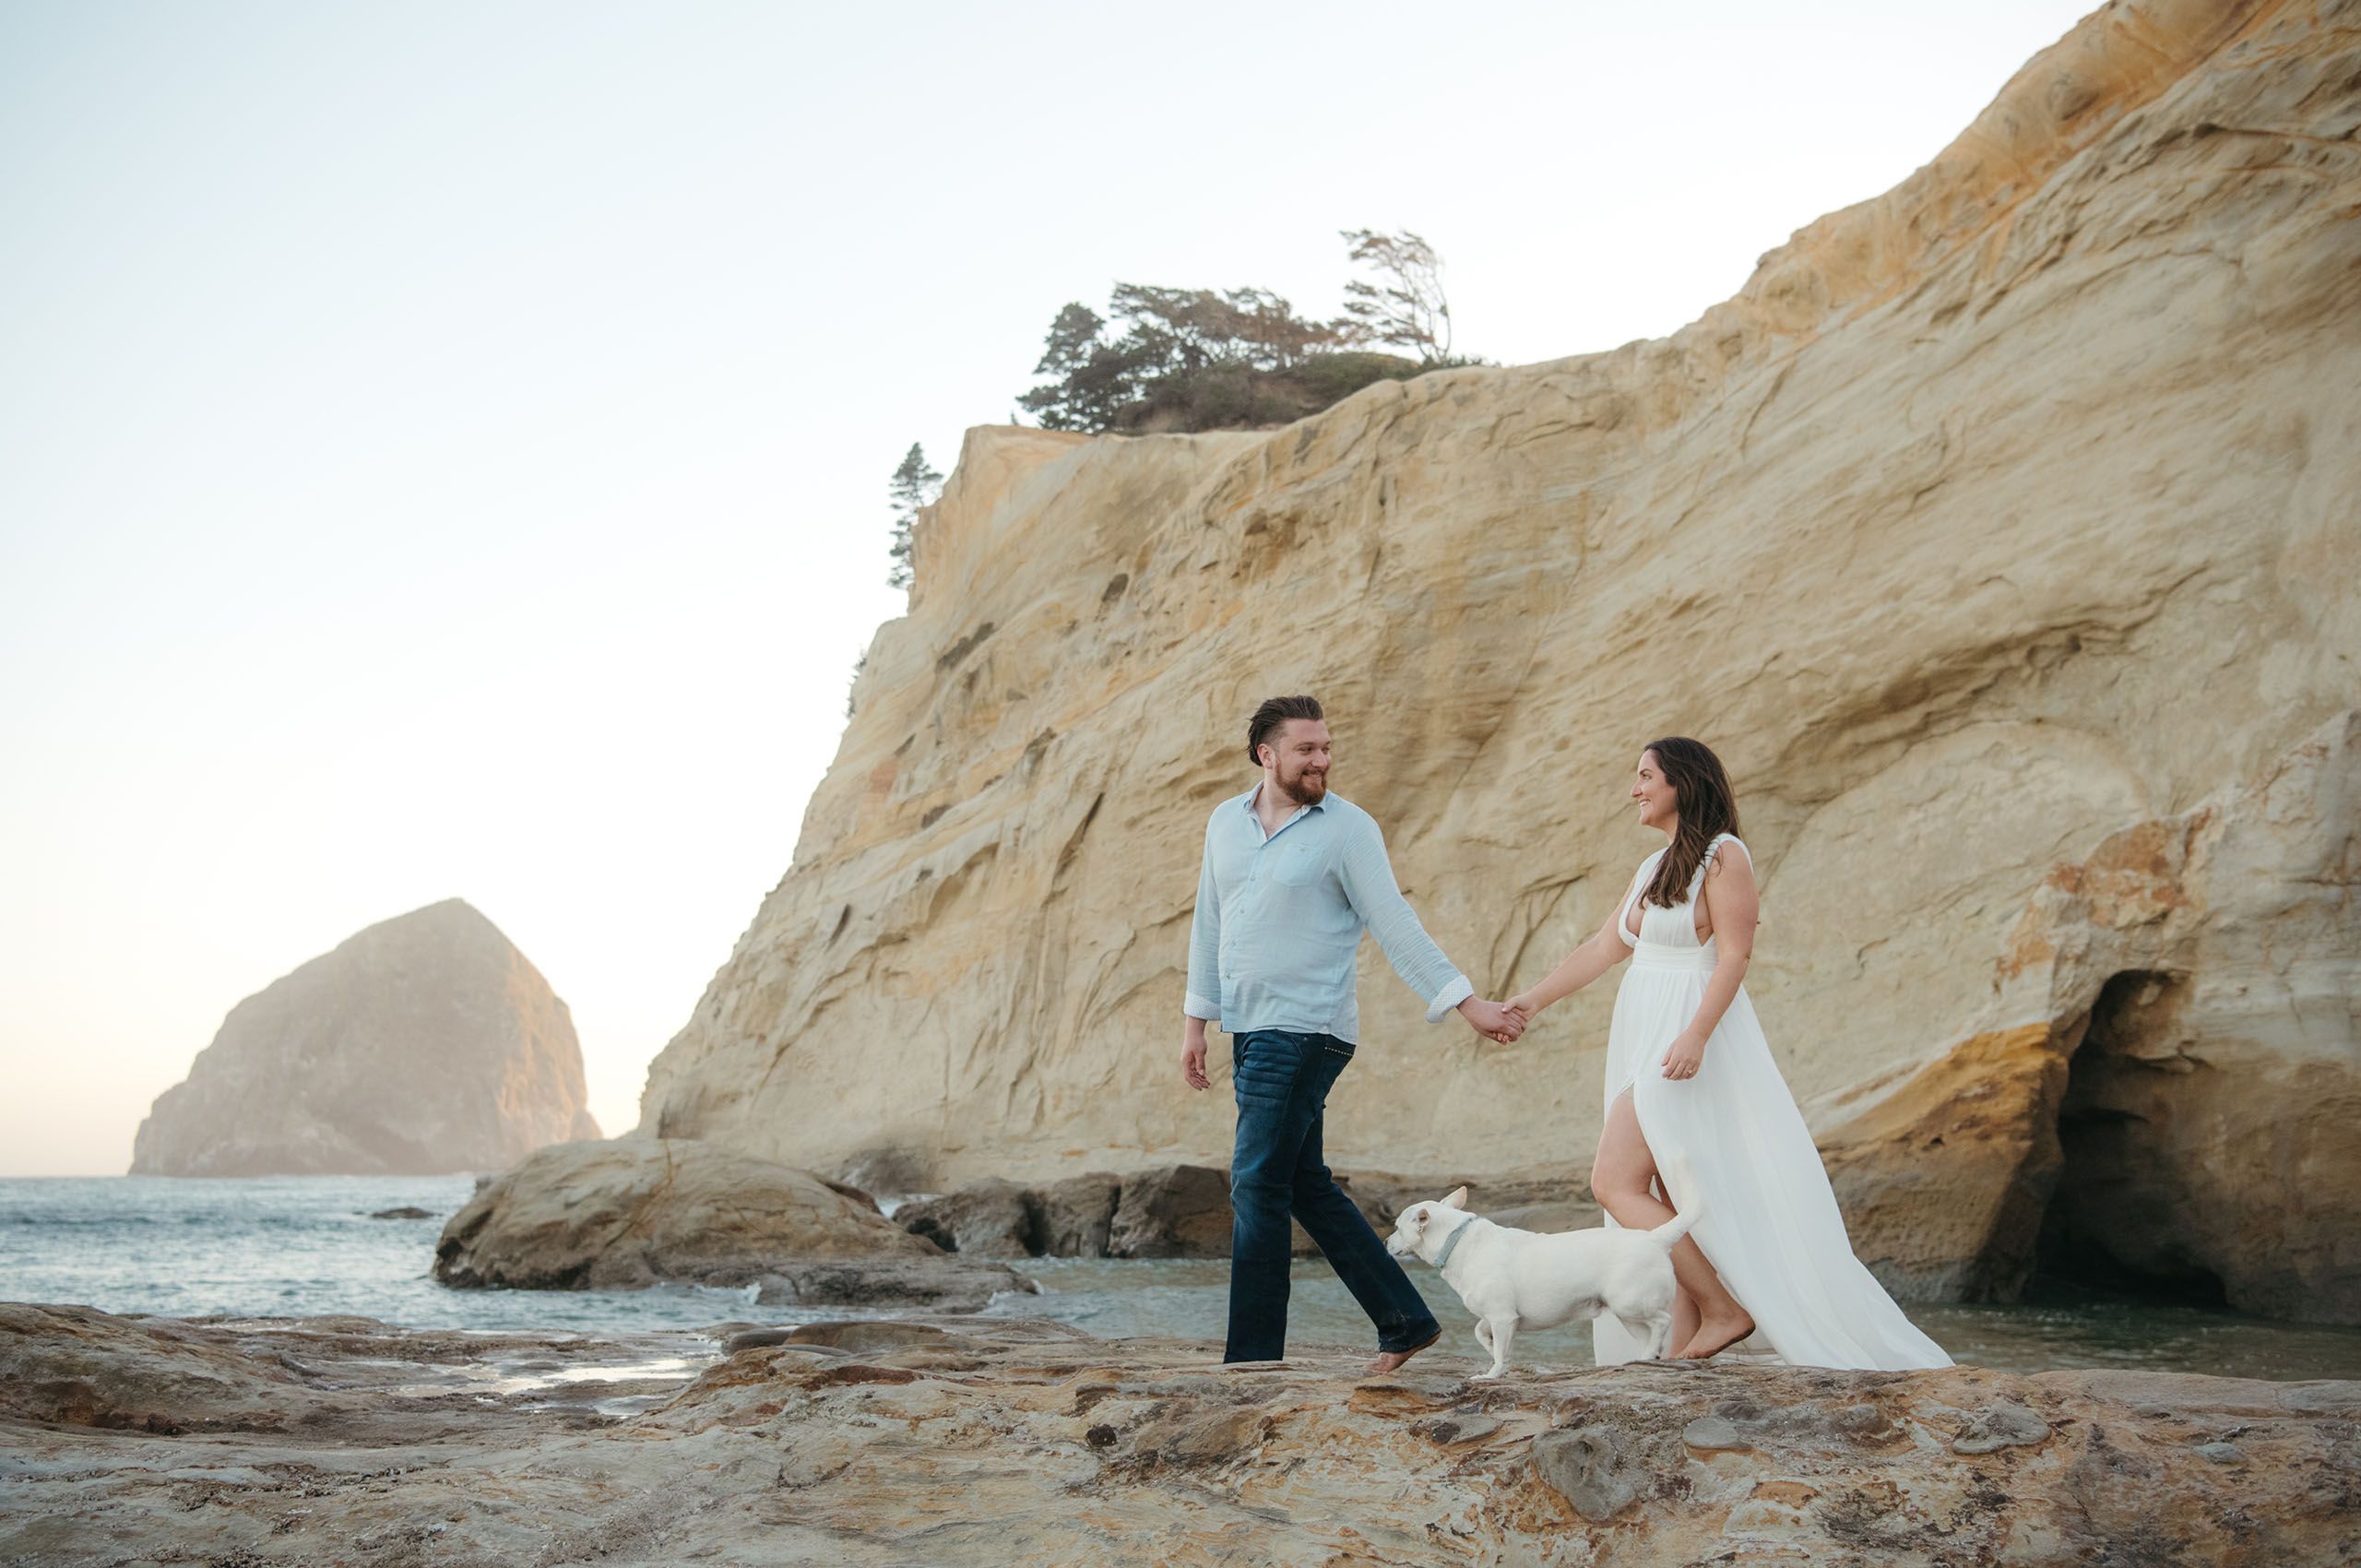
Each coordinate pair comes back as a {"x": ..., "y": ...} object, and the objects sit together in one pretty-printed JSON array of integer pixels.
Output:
[
  {"x": 1999, "y": 534},
  {"x": 426, "y": 1043}
]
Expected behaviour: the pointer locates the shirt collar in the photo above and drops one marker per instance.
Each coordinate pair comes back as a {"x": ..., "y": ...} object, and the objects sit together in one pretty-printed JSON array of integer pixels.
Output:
[{"x": 1248, "y": 799}]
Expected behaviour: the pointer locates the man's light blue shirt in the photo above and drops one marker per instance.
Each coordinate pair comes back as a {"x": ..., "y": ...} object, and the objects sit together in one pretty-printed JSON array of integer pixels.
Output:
[{"x": 1279, "y": 919}]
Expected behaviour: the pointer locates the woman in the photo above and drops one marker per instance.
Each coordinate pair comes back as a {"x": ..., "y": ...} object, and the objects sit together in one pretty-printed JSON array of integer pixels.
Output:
[{"x": 1690, "y": 1083}]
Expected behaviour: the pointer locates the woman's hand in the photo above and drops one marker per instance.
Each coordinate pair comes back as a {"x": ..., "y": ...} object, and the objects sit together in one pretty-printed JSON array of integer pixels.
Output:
[
  {"x": 1686, "y": 1056},
  {"x": 1523, "y": 1006}
]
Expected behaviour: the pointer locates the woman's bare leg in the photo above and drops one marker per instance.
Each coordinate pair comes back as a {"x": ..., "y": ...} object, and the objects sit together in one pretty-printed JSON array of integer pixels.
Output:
[
  {"x": 1685, "y": 1316},
  {"x": 1618, "y": 1180}
]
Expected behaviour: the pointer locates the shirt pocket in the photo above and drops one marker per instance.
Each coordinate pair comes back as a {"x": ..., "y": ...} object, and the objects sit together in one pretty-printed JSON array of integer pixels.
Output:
[{"x": 1297, "y": 866}]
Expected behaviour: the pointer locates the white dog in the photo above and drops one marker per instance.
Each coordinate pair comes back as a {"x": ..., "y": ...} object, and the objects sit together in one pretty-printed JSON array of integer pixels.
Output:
[{"x": 1513, "y": 1279}]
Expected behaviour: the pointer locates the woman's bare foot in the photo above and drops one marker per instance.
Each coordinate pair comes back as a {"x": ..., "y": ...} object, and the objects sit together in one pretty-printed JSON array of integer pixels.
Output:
[
  {"x": 1715, "y": 1333},
  {"x": 1391, "y": 1360}
]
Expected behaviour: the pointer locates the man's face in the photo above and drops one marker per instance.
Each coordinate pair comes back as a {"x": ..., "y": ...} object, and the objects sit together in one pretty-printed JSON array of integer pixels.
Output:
[{"x": 1300, "y": 748}]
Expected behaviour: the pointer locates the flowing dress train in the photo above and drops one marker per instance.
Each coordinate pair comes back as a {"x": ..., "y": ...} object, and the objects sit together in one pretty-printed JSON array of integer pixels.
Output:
[{"x": 1771, "y": 1226}]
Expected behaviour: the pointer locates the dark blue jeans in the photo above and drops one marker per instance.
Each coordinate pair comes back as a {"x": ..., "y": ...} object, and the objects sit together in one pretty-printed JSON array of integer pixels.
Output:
[{"x": 1283, "y": 1080}]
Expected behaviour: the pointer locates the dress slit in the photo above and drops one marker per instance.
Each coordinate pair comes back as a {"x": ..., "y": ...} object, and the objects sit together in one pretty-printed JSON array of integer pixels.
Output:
[{"x": 1766, "y": 1218}]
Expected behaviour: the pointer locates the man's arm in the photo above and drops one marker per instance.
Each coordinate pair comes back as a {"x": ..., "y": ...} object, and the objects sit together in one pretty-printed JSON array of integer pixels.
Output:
[
  {"x": 1368, "y": 875},
  {"x": 1202, "y": 1002}
]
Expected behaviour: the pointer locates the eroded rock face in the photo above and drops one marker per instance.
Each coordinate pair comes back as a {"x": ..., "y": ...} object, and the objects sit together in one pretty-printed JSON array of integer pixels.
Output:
[
  {"x": 2198, "y": 972},
  {"x": 1996, "y": 519},
  {"x": 424, "y": 1044},
  {"x": 628, "y": 1213},
  {"x": 988, "y": 1441}
]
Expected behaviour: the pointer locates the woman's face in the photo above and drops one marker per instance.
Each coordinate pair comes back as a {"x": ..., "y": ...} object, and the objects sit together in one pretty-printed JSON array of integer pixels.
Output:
[{"x": 1659, "y": 805}]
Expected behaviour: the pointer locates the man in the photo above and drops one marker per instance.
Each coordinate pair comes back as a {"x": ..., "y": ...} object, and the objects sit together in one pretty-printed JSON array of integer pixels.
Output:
[{"x": 1292, "y": 875}]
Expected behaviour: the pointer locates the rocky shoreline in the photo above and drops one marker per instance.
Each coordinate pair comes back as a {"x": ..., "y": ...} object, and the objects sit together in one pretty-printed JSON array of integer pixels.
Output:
[{"x": 987, "y": 1440}]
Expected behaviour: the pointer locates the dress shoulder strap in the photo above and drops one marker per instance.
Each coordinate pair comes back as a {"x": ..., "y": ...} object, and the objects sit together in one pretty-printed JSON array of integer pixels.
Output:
[
  {"x": 1715, "y": 848},
  {"x": 1705, "y": 861}
]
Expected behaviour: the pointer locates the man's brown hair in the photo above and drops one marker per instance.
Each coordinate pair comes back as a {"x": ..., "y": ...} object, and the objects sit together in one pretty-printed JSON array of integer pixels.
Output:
[{"x": 1275, "y": 712}]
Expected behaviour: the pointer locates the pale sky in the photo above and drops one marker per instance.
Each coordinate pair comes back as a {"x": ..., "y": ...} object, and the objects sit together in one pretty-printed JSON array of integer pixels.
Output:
[{"x": 443, "y": 447}]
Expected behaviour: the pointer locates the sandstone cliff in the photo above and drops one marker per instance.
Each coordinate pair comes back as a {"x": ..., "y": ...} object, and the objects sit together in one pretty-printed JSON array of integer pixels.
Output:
[
  {"x": 425, "y": 1043},
  {"x": 1999, "y": 534}
]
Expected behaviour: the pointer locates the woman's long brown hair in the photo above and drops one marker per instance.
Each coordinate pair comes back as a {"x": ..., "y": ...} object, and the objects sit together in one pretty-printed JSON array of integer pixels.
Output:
[{"x": 1700, "y": 791}]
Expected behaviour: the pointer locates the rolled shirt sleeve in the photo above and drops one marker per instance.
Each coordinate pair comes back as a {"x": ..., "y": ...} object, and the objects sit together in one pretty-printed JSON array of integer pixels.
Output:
[{"x": 1368, "y": 876}]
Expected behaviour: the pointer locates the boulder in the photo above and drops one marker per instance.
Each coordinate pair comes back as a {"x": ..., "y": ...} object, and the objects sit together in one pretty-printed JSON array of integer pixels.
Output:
[
  {"x": 1077, "y": 1215},
  {"x": 632, "y": 1211},
  {"x": 989, "y": 1219},
  {"x": 1179, "y": 1211}
]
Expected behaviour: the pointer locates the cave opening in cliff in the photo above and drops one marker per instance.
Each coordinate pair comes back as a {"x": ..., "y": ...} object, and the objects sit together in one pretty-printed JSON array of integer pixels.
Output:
[{"x": 2126, "y": 1217}]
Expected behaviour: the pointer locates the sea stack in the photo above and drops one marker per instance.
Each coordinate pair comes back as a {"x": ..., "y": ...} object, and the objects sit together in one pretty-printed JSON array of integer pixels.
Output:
[{"x": 424, "y": 1044}]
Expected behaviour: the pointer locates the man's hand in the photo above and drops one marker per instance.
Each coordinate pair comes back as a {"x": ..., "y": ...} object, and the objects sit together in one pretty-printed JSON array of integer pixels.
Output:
[
  {"x": 1492, "y": 1020},
  {"x": 1193, "y": 1054}
]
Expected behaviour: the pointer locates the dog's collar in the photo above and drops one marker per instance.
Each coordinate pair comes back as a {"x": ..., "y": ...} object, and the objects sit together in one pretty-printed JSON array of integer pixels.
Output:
[{"x": 1450, "y": 1242}]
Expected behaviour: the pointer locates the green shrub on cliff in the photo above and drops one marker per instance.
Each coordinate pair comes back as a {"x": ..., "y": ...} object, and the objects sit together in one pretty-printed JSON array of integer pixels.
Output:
[{"x": 1198, "y": 358}]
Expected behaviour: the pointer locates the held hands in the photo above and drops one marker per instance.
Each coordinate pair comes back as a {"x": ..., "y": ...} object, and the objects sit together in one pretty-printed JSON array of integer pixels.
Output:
[
  {"x": 1492, "y": 1020},
  {"x": 1686, "y": 1055}
]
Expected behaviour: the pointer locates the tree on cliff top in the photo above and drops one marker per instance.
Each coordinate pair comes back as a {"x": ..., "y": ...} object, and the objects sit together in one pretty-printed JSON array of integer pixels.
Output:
[
  {"x": 913, "y": 485},
  {"x": 1179, "y": 349},
  {"x": 1406, "y": 307},
  {"x": 1199, "y": 359}
]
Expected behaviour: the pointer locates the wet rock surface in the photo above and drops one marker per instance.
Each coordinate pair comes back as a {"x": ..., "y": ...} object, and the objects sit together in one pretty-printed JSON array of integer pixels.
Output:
[
  {"x": 938, "y": 1284},
  {"x": 985, "y": 1441}
]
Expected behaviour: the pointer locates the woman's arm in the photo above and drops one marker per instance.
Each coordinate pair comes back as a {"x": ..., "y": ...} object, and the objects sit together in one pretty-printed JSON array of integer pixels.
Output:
[
  {"x": 1732, "y": 907},
  {"x": 1585, "y": 964}
]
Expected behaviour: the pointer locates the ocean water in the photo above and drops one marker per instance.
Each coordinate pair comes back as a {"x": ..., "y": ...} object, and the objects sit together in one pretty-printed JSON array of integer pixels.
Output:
[{"x": 305, "y": 1246}]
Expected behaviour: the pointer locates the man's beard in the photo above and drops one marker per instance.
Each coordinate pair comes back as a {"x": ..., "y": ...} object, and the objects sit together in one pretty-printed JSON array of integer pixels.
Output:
[{"x": 1306, "y": 788}]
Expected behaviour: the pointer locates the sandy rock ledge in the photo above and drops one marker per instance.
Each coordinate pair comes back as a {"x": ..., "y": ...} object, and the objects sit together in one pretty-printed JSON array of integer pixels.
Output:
[{"x": 981, "y": 1441}]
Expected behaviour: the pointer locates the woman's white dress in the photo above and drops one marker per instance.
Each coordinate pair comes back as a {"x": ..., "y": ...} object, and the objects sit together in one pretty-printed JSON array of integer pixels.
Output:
[{"x": 1771, "y": 1227}]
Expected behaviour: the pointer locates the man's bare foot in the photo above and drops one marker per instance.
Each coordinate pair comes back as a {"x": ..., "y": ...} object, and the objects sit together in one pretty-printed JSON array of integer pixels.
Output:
[
  {"x": 1714, "y": 1335},
  {"x": 1391, "y": 1360}
]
